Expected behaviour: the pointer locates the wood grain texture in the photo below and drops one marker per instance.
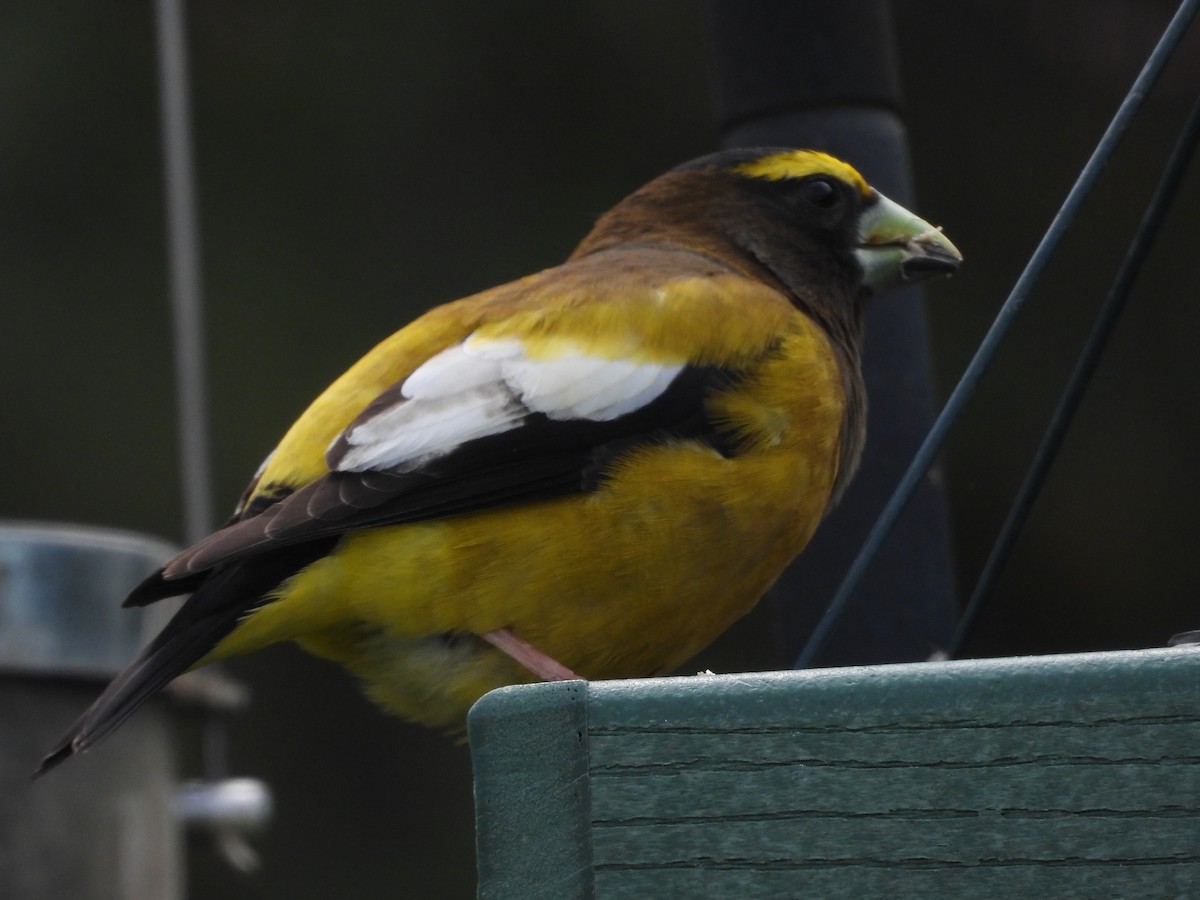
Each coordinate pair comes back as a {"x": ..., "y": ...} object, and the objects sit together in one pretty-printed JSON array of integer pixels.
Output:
[{"x": 1066, "y": 776}]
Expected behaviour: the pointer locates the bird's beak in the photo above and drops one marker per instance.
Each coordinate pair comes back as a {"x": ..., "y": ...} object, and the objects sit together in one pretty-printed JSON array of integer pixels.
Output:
[{"x": 896, "y": 248}]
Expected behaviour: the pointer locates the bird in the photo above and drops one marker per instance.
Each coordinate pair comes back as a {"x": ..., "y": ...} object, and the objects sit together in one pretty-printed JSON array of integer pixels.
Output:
[{"x": 589, "y": 472}]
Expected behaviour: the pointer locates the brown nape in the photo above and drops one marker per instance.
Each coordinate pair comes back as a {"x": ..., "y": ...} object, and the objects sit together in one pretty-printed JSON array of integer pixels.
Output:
[
  {"x": 712, "y": 212},
  {"x": 681, "y": 209}
]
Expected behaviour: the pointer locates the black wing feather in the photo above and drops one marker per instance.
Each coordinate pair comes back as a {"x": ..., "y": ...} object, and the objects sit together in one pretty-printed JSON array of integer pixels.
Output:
[{"x": 540, "y": 459}]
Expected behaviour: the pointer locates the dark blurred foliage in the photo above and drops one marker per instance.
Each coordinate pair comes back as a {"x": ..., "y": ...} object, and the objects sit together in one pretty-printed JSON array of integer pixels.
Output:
[{"x": 358, "y": 164}]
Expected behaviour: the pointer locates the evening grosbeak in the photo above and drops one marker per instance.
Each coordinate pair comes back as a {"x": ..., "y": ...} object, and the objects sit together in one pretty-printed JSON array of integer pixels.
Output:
[{"x": 595, "y": 469}]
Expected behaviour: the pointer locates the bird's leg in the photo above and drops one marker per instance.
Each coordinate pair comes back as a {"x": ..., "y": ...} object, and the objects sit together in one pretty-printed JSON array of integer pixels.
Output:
[{"x": 537, "y": 662}]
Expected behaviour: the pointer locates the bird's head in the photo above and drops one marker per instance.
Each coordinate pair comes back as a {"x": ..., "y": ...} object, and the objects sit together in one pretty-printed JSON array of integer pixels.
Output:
[
  {"x": 801, "y": 215},
  {"x": 830, "y": 202}
]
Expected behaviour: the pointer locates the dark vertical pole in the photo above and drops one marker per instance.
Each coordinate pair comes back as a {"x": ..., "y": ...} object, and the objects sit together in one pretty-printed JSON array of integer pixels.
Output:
[{"x": 825, "y": 76}]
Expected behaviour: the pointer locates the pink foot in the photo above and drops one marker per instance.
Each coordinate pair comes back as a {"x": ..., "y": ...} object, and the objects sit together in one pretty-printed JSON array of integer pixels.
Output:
[{"x": 529, "y": 656}]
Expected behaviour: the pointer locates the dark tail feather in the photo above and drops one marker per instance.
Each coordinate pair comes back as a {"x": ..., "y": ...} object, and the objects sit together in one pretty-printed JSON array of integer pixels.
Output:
[
  {"x": 170, "y": 654},
  {"x": 220, "y": 599},
  {"x": 155, "y": 587}
]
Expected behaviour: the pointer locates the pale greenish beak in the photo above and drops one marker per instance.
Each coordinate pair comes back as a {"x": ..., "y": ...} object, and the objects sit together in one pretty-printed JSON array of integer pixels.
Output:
[{"x": 896, "y": 248}]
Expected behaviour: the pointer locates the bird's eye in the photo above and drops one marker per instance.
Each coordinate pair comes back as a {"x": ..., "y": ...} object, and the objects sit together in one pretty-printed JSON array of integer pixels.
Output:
[{"x": 820, "y": 193}]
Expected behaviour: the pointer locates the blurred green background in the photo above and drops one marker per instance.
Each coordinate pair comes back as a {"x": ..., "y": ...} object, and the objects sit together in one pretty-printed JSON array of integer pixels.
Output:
[{"x": 360, "y": 163}]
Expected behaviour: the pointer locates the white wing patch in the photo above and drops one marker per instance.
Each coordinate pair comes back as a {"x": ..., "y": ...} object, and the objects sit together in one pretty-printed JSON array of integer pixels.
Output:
[
  {"x": 573, "y": 384},
  {"x": 483, "y": 387}
]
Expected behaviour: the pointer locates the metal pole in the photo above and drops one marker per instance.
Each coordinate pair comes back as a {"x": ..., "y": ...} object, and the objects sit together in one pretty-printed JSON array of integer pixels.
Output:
[
  {"x": 825, "y": 76},
  {"x": 183, "y": 261},
  {"x": 209, "y": 805}
]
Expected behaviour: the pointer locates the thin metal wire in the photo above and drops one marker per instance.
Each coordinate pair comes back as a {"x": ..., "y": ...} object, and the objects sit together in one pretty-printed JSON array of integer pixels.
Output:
[
  {"x": 183, "y": 262},
  {"x": 966, "y": 386},
  {"x": 1089, "y": 357}
]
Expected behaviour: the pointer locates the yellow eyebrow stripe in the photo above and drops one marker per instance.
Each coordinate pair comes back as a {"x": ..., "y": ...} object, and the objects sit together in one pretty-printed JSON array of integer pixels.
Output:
[{"x": 801, "y": 164}]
